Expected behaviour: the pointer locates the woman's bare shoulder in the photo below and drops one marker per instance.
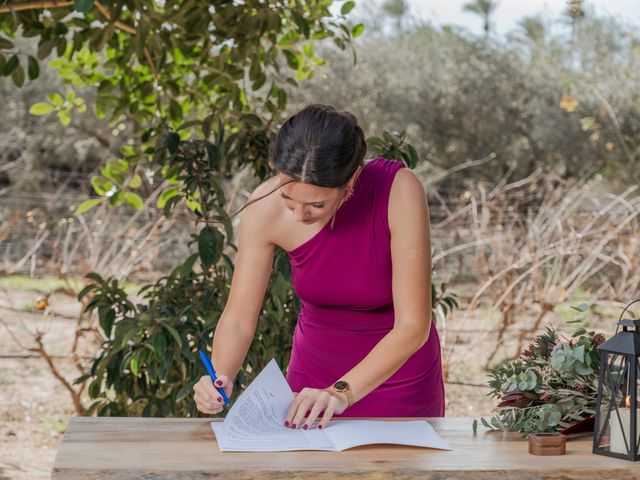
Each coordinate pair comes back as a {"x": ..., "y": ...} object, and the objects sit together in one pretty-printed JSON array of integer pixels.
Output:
[{"x": 265, "y": 206}]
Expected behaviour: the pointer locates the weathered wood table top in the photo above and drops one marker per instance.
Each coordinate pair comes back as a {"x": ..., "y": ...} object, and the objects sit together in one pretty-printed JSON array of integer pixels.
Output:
[{"x": 173, "y": 448}]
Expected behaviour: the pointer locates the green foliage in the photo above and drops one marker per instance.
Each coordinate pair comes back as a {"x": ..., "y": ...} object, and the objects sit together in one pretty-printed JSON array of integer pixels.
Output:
[
  {"x": 87, "y": 205},
  {"x": 147, "y": 364},
  {"x": 393, "y": 145},
  {"x": 447, "y": 301},
  {"x": 550, "y": 386}
]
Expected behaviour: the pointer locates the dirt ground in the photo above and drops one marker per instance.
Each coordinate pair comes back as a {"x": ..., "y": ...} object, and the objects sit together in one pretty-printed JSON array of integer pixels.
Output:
[{"x": 35, "y": 407}]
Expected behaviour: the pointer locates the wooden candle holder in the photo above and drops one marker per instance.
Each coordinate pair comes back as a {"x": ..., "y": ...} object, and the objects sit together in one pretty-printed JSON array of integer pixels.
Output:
[{"x": 547, "y": 444}]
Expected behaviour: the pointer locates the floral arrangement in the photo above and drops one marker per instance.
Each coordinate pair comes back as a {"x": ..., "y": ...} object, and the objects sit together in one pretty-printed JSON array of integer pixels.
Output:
[{"x": 551, "y": 386}]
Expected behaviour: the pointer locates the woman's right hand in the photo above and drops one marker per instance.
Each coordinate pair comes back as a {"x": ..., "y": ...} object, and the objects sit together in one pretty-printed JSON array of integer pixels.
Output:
[{"x": 208, "y": 399}]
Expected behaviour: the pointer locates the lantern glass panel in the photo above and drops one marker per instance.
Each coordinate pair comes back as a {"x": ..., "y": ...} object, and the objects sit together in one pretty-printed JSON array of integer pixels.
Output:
[{"x": 614, "y": 419}]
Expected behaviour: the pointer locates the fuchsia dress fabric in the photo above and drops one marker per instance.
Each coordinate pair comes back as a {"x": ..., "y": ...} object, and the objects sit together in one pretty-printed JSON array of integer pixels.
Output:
[{"x": 343, "y": 277}]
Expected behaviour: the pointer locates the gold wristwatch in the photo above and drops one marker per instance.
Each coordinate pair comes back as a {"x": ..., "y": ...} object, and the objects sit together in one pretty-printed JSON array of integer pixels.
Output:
[{"x": 343, "y": 387}]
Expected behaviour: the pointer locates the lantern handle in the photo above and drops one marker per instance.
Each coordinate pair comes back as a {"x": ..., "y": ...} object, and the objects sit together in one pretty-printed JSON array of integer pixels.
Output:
[{"x": 623, "y": 312}]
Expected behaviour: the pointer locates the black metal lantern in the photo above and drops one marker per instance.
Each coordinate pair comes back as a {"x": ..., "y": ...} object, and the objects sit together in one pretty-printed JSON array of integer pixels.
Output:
[{"x": 616, "y": 427}]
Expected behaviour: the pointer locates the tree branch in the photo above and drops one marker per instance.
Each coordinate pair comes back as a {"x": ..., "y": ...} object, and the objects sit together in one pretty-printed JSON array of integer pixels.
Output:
[
  {"x": 75, "y": 396},
  {"x": 37, "y": 5},
  {"x": 121, "y": 25}
]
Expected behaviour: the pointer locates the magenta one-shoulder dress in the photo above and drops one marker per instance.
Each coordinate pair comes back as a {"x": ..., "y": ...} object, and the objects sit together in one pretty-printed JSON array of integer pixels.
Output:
[{"x": 343, "y": 277}]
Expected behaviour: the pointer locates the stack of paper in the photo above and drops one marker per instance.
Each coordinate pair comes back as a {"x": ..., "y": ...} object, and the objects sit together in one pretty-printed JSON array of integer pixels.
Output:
[{"x": 255, "y": 423}]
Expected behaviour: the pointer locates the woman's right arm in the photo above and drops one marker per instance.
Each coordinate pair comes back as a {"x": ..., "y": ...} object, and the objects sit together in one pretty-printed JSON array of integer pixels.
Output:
[{"x": 237, "y": 324}]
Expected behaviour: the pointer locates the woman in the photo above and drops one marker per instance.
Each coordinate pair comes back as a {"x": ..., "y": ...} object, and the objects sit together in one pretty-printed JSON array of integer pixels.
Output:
[{"x": 357, "y": 235}]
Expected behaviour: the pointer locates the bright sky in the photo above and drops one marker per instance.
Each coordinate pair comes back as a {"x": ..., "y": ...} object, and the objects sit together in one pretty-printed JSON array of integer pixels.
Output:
[{"x": 509, "y": 12}]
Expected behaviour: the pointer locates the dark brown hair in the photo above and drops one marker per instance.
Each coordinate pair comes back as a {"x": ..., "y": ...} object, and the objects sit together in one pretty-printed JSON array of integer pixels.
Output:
[{"x": 319, "y": 146}]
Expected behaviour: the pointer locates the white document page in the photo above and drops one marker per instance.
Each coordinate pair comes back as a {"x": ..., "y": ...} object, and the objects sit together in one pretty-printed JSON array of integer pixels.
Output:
[
  {"x": 255, "y": 423},
  {"x": 352, "y": 433},
  {"x": 256, "y": 420}
]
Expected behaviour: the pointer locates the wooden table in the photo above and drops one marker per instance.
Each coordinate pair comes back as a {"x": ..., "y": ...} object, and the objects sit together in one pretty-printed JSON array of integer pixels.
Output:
[{"x": 173, "y": 448}]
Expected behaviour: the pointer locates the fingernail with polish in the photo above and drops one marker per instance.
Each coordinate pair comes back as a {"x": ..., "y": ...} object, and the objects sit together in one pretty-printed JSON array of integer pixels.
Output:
[
  {"x": 293, "y": 425},
  {"x": 319, "y": 427},
  {"x": 220, "y": 399},
  {"x": 286, "y": 424},
  {"x": 219, "y": 382},
  {"x": 305, "y": 426}
]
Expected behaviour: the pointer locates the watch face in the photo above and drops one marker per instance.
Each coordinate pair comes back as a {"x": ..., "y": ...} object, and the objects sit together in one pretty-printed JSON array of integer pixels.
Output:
[{"x": 341, "y": 386}]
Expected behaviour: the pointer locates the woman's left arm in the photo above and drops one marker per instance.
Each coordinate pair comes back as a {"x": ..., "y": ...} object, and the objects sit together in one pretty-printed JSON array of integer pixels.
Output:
[{"x": 411, "y": 260}]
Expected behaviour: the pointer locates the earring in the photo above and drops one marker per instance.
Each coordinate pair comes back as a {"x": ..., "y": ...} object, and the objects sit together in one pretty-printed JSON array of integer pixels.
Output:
[{"x": 348, "y": 192}]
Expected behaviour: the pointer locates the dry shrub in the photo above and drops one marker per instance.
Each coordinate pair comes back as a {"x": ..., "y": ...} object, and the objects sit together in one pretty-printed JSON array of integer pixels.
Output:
[{"x": 533, "y": 244}]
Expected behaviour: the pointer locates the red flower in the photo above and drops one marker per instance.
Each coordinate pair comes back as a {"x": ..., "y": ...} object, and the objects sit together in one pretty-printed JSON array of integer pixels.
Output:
[{"x": 513, "y": 400}]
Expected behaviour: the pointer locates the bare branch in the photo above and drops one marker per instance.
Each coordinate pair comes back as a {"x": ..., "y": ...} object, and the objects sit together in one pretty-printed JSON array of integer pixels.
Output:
[{"x": 38, "y": 5}]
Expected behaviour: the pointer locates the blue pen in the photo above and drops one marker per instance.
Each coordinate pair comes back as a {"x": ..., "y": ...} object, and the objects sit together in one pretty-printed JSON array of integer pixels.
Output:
[{"x": 212, "y": 374}]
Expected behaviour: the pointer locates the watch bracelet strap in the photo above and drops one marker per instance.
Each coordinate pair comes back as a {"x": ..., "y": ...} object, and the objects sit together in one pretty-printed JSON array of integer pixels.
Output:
[{"x": 348, "y": 394}]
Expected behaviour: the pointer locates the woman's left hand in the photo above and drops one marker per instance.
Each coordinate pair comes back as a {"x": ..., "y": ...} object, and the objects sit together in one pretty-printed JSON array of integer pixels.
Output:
[{"x": 315, "y": 401}]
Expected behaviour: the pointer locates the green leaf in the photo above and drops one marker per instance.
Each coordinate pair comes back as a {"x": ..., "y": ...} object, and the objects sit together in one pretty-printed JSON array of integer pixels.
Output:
[
  {"x": 577, "y": 320},
  {"x": 11, "y": 64},
  {"x": 134, "y": 365},
  {"x": 175, "y": 110},
  {"x": 45, "y": 47},
  {"x": 210, "y": 243},
  {"x": 56, "y": 99},
  {"x": 64, "y": 117},
  {"x": 554, "y": 419},
  {"x": 5, "y": 44},
  {"x": 213, "y": 154},
  {"x": 583, "y": 307},
  {"x": 159, "y": 344},
  {"x": 300, "y": 21},
  {"x": 166, "y": 195},
  {"x": 292, "y": 58},
  {"x": 94, "y": 388},
  {"x": 106, "y": 321},
  {"x": 82, "y": 5},
  {"x": 578, "y": 353},
  {"x": 174, "y": 333},
  {"x": 87, "y": 205},
  {"x": 118, "y": 166},
  {"x": 187, "y": 267},
  {"x": 133, "y": 200},
  {"x": 41, "y": 108},
  {"x": 135, "y": 181},
  {"x": 18, "y": 76},
  {"x": 486, "y": 424},
  {"x": 357, "y": 30},
  {"x": 557, "y": 360},
  {"x": 347, "y": 7},
  {"x": 414, "y": 156},
  {"x": 171, "y": 141},
  {"x": 308, "y": 49},
  {"x": 186, "y": 390},
  {"x": 583, "y": 369},
  {"x": 34, "y": 68},
  {"x": 101, "y": 185},
  {"x": 579, "y": 331}
]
